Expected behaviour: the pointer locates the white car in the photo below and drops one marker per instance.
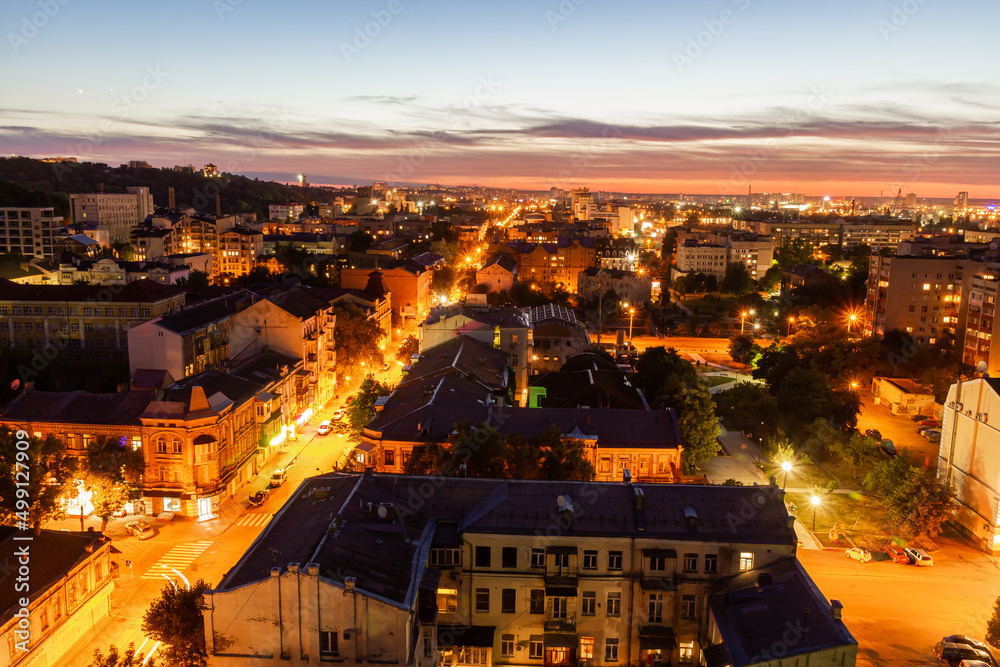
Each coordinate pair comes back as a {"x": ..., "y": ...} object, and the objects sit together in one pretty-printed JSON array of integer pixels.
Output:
[
  {"x": 338, "y": 415},
  {"x": 278, "y": 477},
  {"x": 324, "y": 427},
  {"x": 859, "y": 554},
  {"x": 140, "y": 529}
]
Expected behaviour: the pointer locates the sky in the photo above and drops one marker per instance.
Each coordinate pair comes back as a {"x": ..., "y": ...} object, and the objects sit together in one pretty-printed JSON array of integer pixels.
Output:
[{"x": 856, "y": 97}]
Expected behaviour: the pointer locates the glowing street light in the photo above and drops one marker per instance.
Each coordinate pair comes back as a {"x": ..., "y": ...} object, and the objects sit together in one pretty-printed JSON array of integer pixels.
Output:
[
  {"x": 815, "y": 501},
  {"x": 791, "y": 318},
  {"x": 786, "y": 466},
  {"x": 631, "y": 314}
]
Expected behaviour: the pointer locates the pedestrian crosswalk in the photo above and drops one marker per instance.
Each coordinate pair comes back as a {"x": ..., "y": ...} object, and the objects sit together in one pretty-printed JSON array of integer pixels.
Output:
[
  {"x": 178, "y": 558},
  {"x": 254, "y": 519}
]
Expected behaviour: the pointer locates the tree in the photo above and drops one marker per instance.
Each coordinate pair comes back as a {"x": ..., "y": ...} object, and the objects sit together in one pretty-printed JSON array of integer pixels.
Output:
[
  {"x": 114, "y": 659},
  {"x": 699, "y": 427},
  {"x": 362, "y": 408},
  {"x": 732, "y": 481},
  {"x": 523, "y": 457},
  {"x": 930, "y": 505},
  {"x": 562, "y": 458},
  {"x": 442, "y": 280},
  {"x": 114, "y": 471},
  {"x": 480, "y": 448},
  {"x": 740, "y": 348},
  {"x": 993, "y": 626},
  {"x": 426, "y": 458},
  {"x": 855, "y": 450},
  {"x": 122, "y": 250},
  {"x": 748, "y": 407},
  {"x": 175, "y": 619},
  {"x": 359, "y": 241},
  {"x": 197, "y": 279},
  {"x": 737, "y": 279},
  {"x": 771, "y": 279},
  {"x": 357, "y": 340},
  {"x": 793, "y": 252},
  {"x": 47, "y": 470},
  {"x": 409, "y": 347}
]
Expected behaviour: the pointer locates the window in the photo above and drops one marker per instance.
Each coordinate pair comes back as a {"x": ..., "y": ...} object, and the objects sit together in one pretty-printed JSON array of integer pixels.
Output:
[
  {"x": 537, "y": 601},
  {"x": 690, "y": 562},
  {"x": 538, "y": 558},
  {"x": 507, "y": 602},
  {"x": 687, "y": 606},
  {"x": 328, "y": 644},
  {"x": 177, "y": 446},
  {"x": 614, "y": 560},
  {"x": 161, "y": 445},
  {"x": 390, "y": 457},
  {"x": 586, "y": 648},
  {"x": 611, "y": 649},
  {"x": 686, "y": 651},
  {"x": 447, "y": 599},
  {"x": 535, "y": 649},
  {"x": 86, "y": 312},
  {"x": 560, "y": 606},
  {"x": 483, "y": 600},
  {"x": 656, "y": 607},
  {"x": 74, "y": 327},
  {"x": 746, "y": 561},
  {"x": 589, "y": 603},
  {"x": 508, "y": 557},
  {"x": 657, "y": 563},
  {"x": 589, "y": 560},
  {"x": 482, "y": 556},
  {"x": 711, "y": 563},
  {"x": 15, "y": 310},
  {"x": 145, "y": 312},
  {"x": 614, "y": 607},
  {"x": 561, "y": 560},
  {"x": 506, "y": 646},
  {"x": 135, "y": 312}
]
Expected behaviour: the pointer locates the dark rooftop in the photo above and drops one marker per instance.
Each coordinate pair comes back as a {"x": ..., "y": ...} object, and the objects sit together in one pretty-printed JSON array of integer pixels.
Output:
[
  {"x": 464, "y": 357},
  {"x": 197, "y": 317},
  {"x": 136, "y": 291},
  {"x": 77, "y": 407},
  {"x": 595, "y": 389}
]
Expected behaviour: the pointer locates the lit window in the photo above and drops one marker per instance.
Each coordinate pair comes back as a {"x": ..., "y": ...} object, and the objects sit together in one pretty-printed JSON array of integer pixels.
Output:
[{"x": 746, "y": 561}]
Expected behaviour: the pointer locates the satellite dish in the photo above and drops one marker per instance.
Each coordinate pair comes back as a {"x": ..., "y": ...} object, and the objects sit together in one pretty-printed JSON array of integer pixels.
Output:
[
  {"x": 382, "y": 512},
  {"x": 561, "y": 501},
  {"x": 15, "y": 384},
  {"x": 981, "y": 367},
  {"x": 993, "y": 245}
]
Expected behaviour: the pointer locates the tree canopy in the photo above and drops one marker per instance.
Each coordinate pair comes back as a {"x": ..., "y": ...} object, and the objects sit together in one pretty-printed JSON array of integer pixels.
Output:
[
  {"x": 45, "y": 468},
  {"x": 357, "y": 339},
  {"x": 175, "y": 619}
]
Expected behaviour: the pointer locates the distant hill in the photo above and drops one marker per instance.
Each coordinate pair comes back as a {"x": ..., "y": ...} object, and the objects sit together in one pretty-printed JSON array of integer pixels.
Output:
[{"x": 28, "y": 182}]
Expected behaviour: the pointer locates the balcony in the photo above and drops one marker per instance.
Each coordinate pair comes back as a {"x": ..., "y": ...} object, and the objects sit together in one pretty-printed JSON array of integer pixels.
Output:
[{"x": 555, "y": 622}]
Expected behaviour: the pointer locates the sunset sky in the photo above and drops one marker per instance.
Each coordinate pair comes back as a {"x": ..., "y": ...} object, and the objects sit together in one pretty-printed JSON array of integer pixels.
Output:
[{"x": 848, "y": 97}]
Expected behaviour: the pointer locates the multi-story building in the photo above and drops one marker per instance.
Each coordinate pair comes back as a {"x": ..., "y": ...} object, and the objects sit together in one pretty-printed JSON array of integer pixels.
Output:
[
  {"x": 630, "y": 286},
  {"x": 701, "y": 257},
  {"x": 375, "y": 569},
  {"x": 969, "y": 461},
  {"x": 556, "y": 336},
  {"x": 289, "y": 211},
  {"x": 86, "y": 325},
  {"x": 68, "y": 600},
  {"x": 108, "y": 271},
  {"x": 409, "y": 283},
  {"x": 498, "y": 272},
  {"x": 238, "y": 251},
  {"x": 884, "y": 233},
  {"x": 117, "y": 213},
  {"x": 922, "y": 296},
  {"x": 876, "y": 235},
  {"x": 29, "y": 231},
  {"x": 558, "y": 263},
  {"x": 982, "y": 324}
]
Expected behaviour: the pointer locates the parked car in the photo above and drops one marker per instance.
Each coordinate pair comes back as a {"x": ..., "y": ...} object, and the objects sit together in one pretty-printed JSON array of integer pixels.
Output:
[
  {"x": 934, "y": 438},
  {"x": 918, "y": 418},
  {"x": 385, "y": 366},
  {"x": 919, "y": 556},
  {"x": 257, "y": 499},
  {"x": 338, "y": 415},
  {"x": 859, "y": 554},
  {"x": 896, "y": 553},
  {"x": 922, "y": 430},
  {"x": 140, "y": 529},
  {"x": 278, "y": 477},
  {"x": 873, "y": 433},
  {"x": 889, "y": 446},
  {"x": 955, "y": 654},
  {"x": 974, "y": 663},
  {"x": 324, "y": 427},
  {"x": 929, "y": 422},
  {"x": 968, "y": 641}
]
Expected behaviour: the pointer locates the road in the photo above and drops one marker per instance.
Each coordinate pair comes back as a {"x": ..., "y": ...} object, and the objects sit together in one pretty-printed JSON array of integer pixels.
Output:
[
  {"x": 206, "y": 550},
  {"x": 898, "y": 612}
]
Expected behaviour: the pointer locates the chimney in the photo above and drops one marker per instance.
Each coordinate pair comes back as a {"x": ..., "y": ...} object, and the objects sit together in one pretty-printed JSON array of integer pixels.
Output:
[
  {"x": 349, "y": 583},
  {"x": 199, "y": 401},
  {"x": 312, "y": 569},
  {"x": 218, "y": 206},
  {"x": 171, "y": 200},
  {"x": 293, "y": 567},
  {"x": 837, "y": 609}
]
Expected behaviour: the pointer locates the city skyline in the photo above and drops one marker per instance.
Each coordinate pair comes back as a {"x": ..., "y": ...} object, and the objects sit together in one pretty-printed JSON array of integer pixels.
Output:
[{"x": 854, "y": 99}]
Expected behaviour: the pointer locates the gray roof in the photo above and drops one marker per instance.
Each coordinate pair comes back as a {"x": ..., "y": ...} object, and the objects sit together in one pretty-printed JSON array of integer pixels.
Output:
[
  {"x": 200, "y": 316},
  {"x": 465, "y": 357},
  {"x": 384, "y": 555},
  {"x": 78, "y": 407}
]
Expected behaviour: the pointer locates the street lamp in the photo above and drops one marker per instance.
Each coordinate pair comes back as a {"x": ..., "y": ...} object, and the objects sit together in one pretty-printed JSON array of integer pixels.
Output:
[
  {"x": 815, "y": 502},
  {"x": 756, "y": 327},
  {"x": 631, "y": 314},
  {"x": 791, "y": 318},
  {"x": 786, "y": 466}
]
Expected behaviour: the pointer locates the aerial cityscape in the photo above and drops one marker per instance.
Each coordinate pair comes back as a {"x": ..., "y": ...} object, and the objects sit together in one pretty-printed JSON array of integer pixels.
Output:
[{"x": 520, "y": 334}]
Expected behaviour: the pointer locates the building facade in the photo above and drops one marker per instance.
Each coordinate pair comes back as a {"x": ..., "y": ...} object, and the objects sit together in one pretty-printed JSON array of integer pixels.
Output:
[
  {"x": 29, "y": 231},
  {"x": 117, "y": 213}
]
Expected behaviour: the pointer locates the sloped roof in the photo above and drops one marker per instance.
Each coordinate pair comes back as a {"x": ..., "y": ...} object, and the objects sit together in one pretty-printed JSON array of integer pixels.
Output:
[
  {"x": 78, "y": 407},
  {"x": 135, "y": 291}
]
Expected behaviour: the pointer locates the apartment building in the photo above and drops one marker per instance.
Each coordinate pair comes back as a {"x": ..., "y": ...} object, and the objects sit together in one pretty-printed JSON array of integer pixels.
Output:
[
  {"x": 847, "y": 234},
  {"x": 876, "y": 235},
  {"x": 287, "y": 211},
  {"x": 29, "y": 230},
  {"x": 86, "y": 325},
  {"x": 70, "y": 595},
  {"x": 969, "y": 460},
  {"x": 375, "y": 569},
  {"x": 701, "y": 257},
  {"x": 109, "y": 271},
  {"x": 558, "y": 263},
  {"x": 116, "y": 213},
  {"x": 234, "y": 248},
  {"x": 409, "y": 282},
  {"x": 498, "y": 272},
  {"x": 982, "y": 323},
  {"x": 238, "y": 251}
]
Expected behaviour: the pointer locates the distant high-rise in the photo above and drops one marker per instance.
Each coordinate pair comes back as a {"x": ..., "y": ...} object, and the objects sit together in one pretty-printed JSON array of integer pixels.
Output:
[
  {"x": 962, "y": 201},
  {"x": 117, "y": 213},
  {"x": 911, "y": 200}
]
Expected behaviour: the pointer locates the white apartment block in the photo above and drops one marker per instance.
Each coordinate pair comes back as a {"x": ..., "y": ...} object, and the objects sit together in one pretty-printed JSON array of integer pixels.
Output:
[
  {"x": 117, "y": 213},
  {"x": 285, "y": 211},
  {"x": 28, "y": 230}
]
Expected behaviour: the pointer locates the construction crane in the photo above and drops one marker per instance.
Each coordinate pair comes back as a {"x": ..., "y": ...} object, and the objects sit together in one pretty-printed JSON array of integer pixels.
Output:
[{"x": 895, "y": 202}]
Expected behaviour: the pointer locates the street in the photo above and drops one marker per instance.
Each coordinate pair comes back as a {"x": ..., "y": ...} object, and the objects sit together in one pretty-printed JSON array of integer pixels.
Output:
[
  {"x": 897, "y": 612},
  {"x": 184, "y": 550}
]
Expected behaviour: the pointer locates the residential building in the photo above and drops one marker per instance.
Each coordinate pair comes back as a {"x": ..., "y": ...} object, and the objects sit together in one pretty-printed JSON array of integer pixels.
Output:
[
  {"x": 109, "y": 271},
  {"x": 969, "y": 459},
  {"x": 585, "y": 381},
  {"x": 310, "y": 242},
  {"x": 29, "y": 230},
  {"x": 288, "y": 211},
  {"x": 701, "y": 257},
  {"x": 86, "y": 325},
  {"x": 876, "y": 235},
  {"x": 375, "y": 300},
  {"x": 467, "y": 358},
  {"x": 375, "y": 569},
  {"x": 559, "y": 263},
  {"x": 630, "y": 286},
  {"x": 961, "y": 202},
  {"x": 874, "y": 232},
  {"x": 68, "y": 601},
  {"x": 805, "y": 276},
  {"x": 499, "y": 273},
  {"x": 903, "y": 396},
  {"x": 409, "y": 283},
  {"x": 556, "y": 336},
  {"x": 238, "y": 250},
  {"x": 117, "y": 213},
  {"x": 982, "y": 323},
  {"x": 711, "y": 251}
]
